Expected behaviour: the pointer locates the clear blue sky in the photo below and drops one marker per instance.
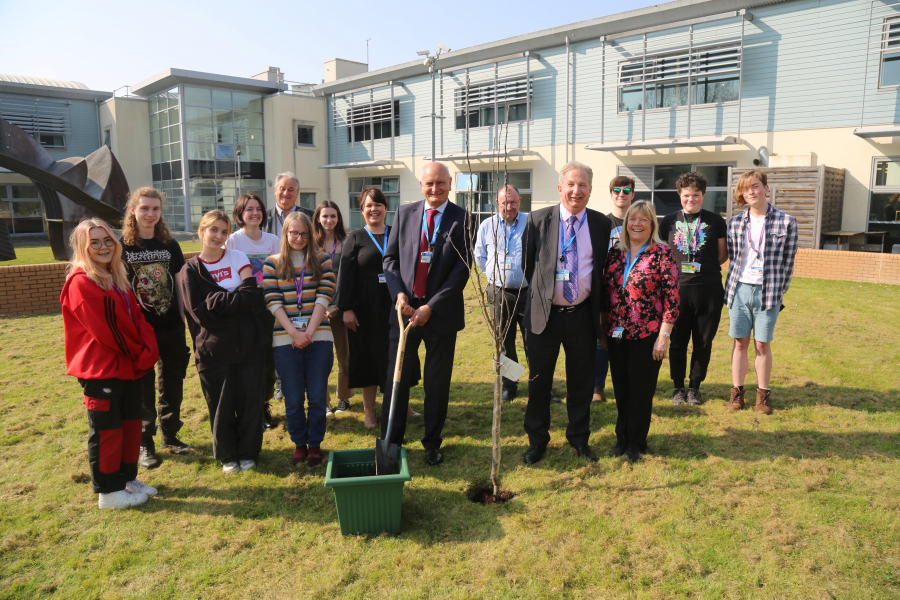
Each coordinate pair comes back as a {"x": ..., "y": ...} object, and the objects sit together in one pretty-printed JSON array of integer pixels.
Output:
[{"x": 107, "y": 44}]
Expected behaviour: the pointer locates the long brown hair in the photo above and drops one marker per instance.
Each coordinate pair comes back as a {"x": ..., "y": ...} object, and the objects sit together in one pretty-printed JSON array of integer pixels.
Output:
[
  {"x": 129, "y": 224},
  {"x": 284, "y": 268},
  {"x": 104, "y": 276},
  {"x": 340, "y": 234}
]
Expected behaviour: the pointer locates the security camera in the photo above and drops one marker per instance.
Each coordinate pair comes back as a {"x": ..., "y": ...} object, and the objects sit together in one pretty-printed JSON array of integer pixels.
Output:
[
  {"x": 443, "y": 47},
  {"x": 427, "y": 61},
  {"x": 423, "y": 52}
]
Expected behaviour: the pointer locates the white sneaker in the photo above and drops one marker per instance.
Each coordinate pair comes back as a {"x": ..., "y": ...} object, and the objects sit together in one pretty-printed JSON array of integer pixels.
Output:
[
  {"x": 230, "y": 467},
  {"x": 141, "y": 488},
  {"x": 248, "y": 465},
  {"x": 122, "y": 499},
  {"x": 329, "y": 412}
]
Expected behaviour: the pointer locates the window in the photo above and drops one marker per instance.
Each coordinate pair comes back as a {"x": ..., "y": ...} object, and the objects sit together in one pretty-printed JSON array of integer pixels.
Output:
[
  {"x": 21, "y": 209},
  {"x": 890, "y": 52},
  {"x": 714, "y": 71},
  {"x": 884, "y": 200},
  {"x": 366, "y": 120},
  {"x": 307, "y": 200},
  {"x": 389, "y": 186},
  {"x": 107, "y": 138},
  {"x": 305, "y": 135},
  {"x": 483, "y": 188},
  {"x": 657, "y": 184},
  {"x": 509, "y": 95},
  {"x": 47, "y": 121}
]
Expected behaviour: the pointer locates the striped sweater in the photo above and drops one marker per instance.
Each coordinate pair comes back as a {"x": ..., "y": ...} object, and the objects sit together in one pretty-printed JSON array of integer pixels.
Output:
[{"x": 281, "y": 293}]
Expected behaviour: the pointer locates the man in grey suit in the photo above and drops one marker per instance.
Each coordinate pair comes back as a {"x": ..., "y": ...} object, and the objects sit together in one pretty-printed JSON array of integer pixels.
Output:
[
  {"x": 287, "y": 188},
  {"x": 564, "y": 260}
]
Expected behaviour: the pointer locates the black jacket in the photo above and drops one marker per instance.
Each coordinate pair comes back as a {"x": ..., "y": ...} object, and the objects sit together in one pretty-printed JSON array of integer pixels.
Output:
[{"x": 223, "y": 324}]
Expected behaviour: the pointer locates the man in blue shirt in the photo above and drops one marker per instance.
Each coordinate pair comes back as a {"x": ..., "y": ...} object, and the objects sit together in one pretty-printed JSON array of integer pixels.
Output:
[{"x": 498, "y": 253}]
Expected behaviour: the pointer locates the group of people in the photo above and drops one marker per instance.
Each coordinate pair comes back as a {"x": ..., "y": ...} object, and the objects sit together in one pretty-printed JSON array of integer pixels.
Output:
[{"x": 270, "y": 305}]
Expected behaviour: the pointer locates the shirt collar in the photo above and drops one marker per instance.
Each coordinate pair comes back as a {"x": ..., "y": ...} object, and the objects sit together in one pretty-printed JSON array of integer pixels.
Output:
[
  {"x": 440, "y": 208},
  {"x": 565, "y": 214}
]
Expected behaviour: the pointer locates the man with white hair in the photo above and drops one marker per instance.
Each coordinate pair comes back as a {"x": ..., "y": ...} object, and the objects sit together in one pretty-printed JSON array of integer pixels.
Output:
[
  {"x": 287, "y": 188},
  {"x": 564, "y": 260}
]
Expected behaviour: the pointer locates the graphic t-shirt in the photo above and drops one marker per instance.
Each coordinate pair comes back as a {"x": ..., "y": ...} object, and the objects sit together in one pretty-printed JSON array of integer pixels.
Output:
[
  {"x": 226, "y": 270},
  {"x": 151, "y": 273},
  {"x": 616, "y": 230},
  {"x": 695, "y": 243},
  {"x": 257, "y": 252}
]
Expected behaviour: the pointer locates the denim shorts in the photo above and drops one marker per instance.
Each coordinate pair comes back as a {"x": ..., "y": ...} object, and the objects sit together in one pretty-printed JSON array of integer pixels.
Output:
[{"x": 746, "y": 314}]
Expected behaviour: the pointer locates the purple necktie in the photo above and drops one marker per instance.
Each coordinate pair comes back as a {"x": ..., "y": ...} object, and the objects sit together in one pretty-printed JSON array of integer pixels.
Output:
[{"x": 570, "y": 287}]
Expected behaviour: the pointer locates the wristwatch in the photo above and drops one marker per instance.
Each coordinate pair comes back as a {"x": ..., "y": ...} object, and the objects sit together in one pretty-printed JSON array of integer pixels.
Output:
[{"x": 665, "y": 333}]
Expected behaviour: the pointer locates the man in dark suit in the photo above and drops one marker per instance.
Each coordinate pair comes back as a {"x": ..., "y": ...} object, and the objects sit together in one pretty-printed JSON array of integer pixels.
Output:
[
  {"x": 287, "y": 188},
  {"x": 564, "y": 260},
  {"x": 426, "y": 267}
]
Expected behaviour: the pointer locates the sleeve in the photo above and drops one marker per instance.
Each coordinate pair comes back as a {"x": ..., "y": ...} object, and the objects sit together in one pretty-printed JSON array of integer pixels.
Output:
[
  {"x": 345, "y": 298},
  {"x": 273, "y": 294},
  {"x": 730, "y": 239},
  {"x": 481, "y": 246},
  {"x": 147, "y": 360},
  {"x": 391, "y": 259},
  {"x": 529, "y": 249},
  {"x": 790, "y": 253},
  {"x": 216, "y": 310},
  {"x": 177, "y": 261},
  {"x": 722, "y": 227},
  {"x": 460, "y": 245},
  {"x": 665, "y": 227},
  {"x": 668, "y": 285},
  {"x": 326, "y": 288},
  {"x": 239, "y": 260}
]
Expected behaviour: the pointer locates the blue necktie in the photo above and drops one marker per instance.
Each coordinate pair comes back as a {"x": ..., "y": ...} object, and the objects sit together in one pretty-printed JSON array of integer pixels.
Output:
[{"x": 570, "y": 287}]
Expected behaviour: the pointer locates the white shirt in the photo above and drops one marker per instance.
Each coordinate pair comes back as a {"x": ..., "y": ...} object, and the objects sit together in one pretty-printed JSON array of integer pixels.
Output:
[
  {"x": 226, "y": 270},
  {"x": 750, "y": 258},
  {"x": 257, "y": 251},
  {"x": 437, "y": 218},
  {"x": 585, "y": 257}
]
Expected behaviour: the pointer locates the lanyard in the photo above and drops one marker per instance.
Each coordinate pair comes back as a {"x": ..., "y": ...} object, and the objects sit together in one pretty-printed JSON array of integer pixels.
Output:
[
  {"x": 333, "y": 248},
  {"x": 562, "y": 254},
  {"x": 386, "y": 231},
  {"x": 762, "y": 232},
  {"x": 299, "y": 286},
  {"x": 691, "y": 234},
  {"x": 425, "y": 229},
  {"x": 511, "y": 232},
  {"x": 629, "y": 264},
  {"x": 125, "y": 298}
]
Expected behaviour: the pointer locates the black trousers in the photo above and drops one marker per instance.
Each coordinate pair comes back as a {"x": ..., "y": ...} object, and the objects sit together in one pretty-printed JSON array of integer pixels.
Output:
[
  {"x": 634, "y": 377},
  {"x": 234, "y": 397},
  {"x": 114, "y": 431},
  {"x": 574, "y": 331},
  {"x": 700, "y": 310},
  {"x": 439, "y": 352},
  {"x": 174, "y": 356},
  {"x": 512, "y": 314}
]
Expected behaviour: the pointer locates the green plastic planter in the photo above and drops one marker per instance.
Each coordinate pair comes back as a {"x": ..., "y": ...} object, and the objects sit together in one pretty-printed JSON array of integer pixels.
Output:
[{"x": 365, "y": 504}]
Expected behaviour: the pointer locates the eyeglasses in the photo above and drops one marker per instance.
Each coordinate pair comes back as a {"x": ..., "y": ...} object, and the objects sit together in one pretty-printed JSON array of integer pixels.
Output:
[
  {"x": 107, "y": 241},
  {"x": 626, "y": 190},
  {"x": 296, "y": 234}
]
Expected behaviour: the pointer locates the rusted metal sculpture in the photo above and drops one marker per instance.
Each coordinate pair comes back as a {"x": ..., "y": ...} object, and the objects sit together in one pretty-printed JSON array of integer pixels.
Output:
[{"x": 70, "y": 189}]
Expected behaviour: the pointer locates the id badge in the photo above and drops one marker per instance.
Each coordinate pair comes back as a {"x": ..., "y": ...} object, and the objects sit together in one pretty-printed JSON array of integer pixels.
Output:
[
  {"x": 618, "y": 332},
  {"x": 562, "y": 276},
  {"x": 756, "y": 268},
  {"x": 299, "y": 323},
  {"x": 508, "y": 265},
  {"x": 426, "y": 258},
  {"x": 690, "y": 267},
  {"x": 381, "y": 278}
]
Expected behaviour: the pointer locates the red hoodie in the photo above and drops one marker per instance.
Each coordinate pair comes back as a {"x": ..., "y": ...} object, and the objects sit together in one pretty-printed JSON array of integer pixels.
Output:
[{"x": 104, "y": 339}]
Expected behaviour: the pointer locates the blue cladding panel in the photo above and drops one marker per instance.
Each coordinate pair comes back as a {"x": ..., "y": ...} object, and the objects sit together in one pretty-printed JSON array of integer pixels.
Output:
[{"x": 84, "y": 128}]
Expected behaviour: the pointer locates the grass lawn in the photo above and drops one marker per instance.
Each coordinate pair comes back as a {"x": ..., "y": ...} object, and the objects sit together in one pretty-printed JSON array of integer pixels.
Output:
[
  {"x": 39, "y": 255},
  {"x": 802, "y": 504}
]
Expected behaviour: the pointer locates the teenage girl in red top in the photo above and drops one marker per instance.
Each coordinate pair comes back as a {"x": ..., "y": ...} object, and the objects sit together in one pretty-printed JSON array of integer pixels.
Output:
[{"x": 109, "y": 347}]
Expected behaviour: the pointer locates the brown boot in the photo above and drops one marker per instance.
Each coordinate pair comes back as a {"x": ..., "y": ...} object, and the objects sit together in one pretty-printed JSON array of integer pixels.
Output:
[
  {"x": 599, "y": 395},
  {"x": 763, "y": 406},
  {"x": 737, "y": 400}
]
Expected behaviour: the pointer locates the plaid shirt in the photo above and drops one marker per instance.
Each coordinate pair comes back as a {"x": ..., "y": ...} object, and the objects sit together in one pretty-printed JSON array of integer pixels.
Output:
[{"x": 778, "y": 255}]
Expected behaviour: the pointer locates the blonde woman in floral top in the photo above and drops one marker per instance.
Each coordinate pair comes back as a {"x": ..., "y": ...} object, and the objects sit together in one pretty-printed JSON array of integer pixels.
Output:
[{"x": 642, "y": 287}]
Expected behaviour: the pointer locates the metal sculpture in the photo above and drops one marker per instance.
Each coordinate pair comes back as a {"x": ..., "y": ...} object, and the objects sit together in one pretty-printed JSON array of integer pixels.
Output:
[{"x": 70, "y": 189}]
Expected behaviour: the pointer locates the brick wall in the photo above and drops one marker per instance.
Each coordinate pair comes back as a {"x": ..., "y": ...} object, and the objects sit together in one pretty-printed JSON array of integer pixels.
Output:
[{"x": 35, "y": 289}]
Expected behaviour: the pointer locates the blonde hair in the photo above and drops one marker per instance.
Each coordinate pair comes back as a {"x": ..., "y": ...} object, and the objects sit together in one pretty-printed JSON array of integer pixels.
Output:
[
  {"x": 284, "y": 268},
  {"x": 744, "y": 182},
  {"x": 211, "y": 217},
  {"x": 645, "y": 209},
  {"x": 104, "y": 276},
  {"x": 130, "y": 229}
]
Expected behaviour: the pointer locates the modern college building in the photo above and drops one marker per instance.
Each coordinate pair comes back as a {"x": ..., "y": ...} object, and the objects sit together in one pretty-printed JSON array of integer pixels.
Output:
[{"x": 702, "y": 85}]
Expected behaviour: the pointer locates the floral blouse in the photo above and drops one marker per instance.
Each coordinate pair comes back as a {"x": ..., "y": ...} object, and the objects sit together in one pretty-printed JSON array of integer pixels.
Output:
[{"x": 651, "y": 297}]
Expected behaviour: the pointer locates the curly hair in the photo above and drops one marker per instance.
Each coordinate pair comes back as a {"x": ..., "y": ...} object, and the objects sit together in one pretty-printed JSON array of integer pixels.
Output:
[
  {"x": 130, "y": 231},
  {"x": 692, "y": 179}
]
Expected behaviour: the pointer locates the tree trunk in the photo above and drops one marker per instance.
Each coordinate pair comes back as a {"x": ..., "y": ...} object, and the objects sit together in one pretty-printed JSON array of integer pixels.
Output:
[{"x": 498, "y": 391}]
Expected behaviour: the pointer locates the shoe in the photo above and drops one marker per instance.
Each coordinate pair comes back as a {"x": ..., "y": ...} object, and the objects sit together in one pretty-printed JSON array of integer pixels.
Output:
[
  {"x": 433, "y": 457},
  {"x": 122, "y": 499},
  {"x": 329, "y": 414},
  {"x": 343, "y": 406},
  {"x": 616, "y": 451},
  {"x": 269, "y": 422},
  {"x": 507, "y": 395},
  {"x": 231, "y": 467},
  {"x": 534, "y": 454},
  {"x": 148, "y": 458},
  {"x": 584, "y": 451},
  {"x": 279, "y": 396},
  {"x": 299, "y": 456},
  {"x": 737, "y": 400},
  {"x": 176, "y": 446},
  {"x": 137, "y": 487},
  {"x": 632, "y": 453},
  {"x": 410, "y": 412},
  {"x": 315, "y": 457},
  {"x": 693, "y": 397},
  {"x": 555, "y": 399},
  {"x": 679, "y": 397},
  {"x": 247, "y": 465},
  {"x": 599, "y": 395},
  {"x": 763, "y": 405}
]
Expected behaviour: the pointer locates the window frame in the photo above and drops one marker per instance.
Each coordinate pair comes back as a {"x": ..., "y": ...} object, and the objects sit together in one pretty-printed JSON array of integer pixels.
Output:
[
  {"x": 883, "y": 189},
  {"x": 885, "y": 40},
  {"x": 694, "y": 166},
  {"x": 481, "y": 215},
  {"x": 354, "y": 199},
  {"x": 460, "y": 93},
  {"x": 9, "y": 202},
  {"x": 311, "y": 127},
  {"x": 351, "y": 121}
]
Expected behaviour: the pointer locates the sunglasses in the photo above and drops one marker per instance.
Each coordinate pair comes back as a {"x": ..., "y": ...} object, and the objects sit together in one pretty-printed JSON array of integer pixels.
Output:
[
  {"x": 108, "y": 242},
  {"x": 626, "y": 190}
]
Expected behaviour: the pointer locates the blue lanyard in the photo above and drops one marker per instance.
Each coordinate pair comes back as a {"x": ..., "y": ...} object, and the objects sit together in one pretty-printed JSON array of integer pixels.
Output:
[
  {"x": 512, "y": 232},
  {"x": 386, "y": 231},
  {"x": 425, "y": 229},
  {"x": 562, "y": 254},
  {"x": 629, "y": 264}
]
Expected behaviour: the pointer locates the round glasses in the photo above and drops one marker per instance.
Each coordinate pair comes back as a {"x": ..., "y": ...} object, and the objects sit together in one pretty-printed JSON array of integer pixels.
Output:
[{"x": 107, "y": 241}]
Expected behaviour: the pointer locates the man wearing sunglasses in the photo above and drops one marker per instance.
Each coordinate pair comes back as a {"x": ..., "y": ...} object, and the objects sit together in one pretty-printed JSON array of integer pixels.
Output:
[{"x": 621, "y": 191}]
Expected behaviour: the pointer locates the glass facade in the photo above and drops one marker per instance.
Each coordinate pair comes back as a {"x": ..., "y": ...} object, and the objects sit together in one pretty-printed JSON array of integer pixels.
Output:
[
  {"x": 664, "y": 193},
  {"x": 21, "y": 208},
  {"x": 884, "y": 201},
  {"x": 484, "y": 187},
  {"x": 390, "y": 187},
  {"x": 165, "y": 155}
]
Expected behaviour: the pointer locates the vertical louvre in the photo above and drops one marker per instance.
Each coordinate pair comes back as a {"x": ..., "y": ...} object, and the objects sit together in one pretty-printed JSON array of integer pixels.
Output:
[{"x": 642, "y": 175}]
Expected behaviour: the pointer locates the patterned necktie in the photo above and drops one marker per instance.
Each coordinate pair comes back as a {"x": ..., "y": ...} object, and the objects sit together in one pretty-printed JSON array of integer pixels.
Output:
[
  {"x": 570, "y": 287},
  {"x": 422, "y": 268}
]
